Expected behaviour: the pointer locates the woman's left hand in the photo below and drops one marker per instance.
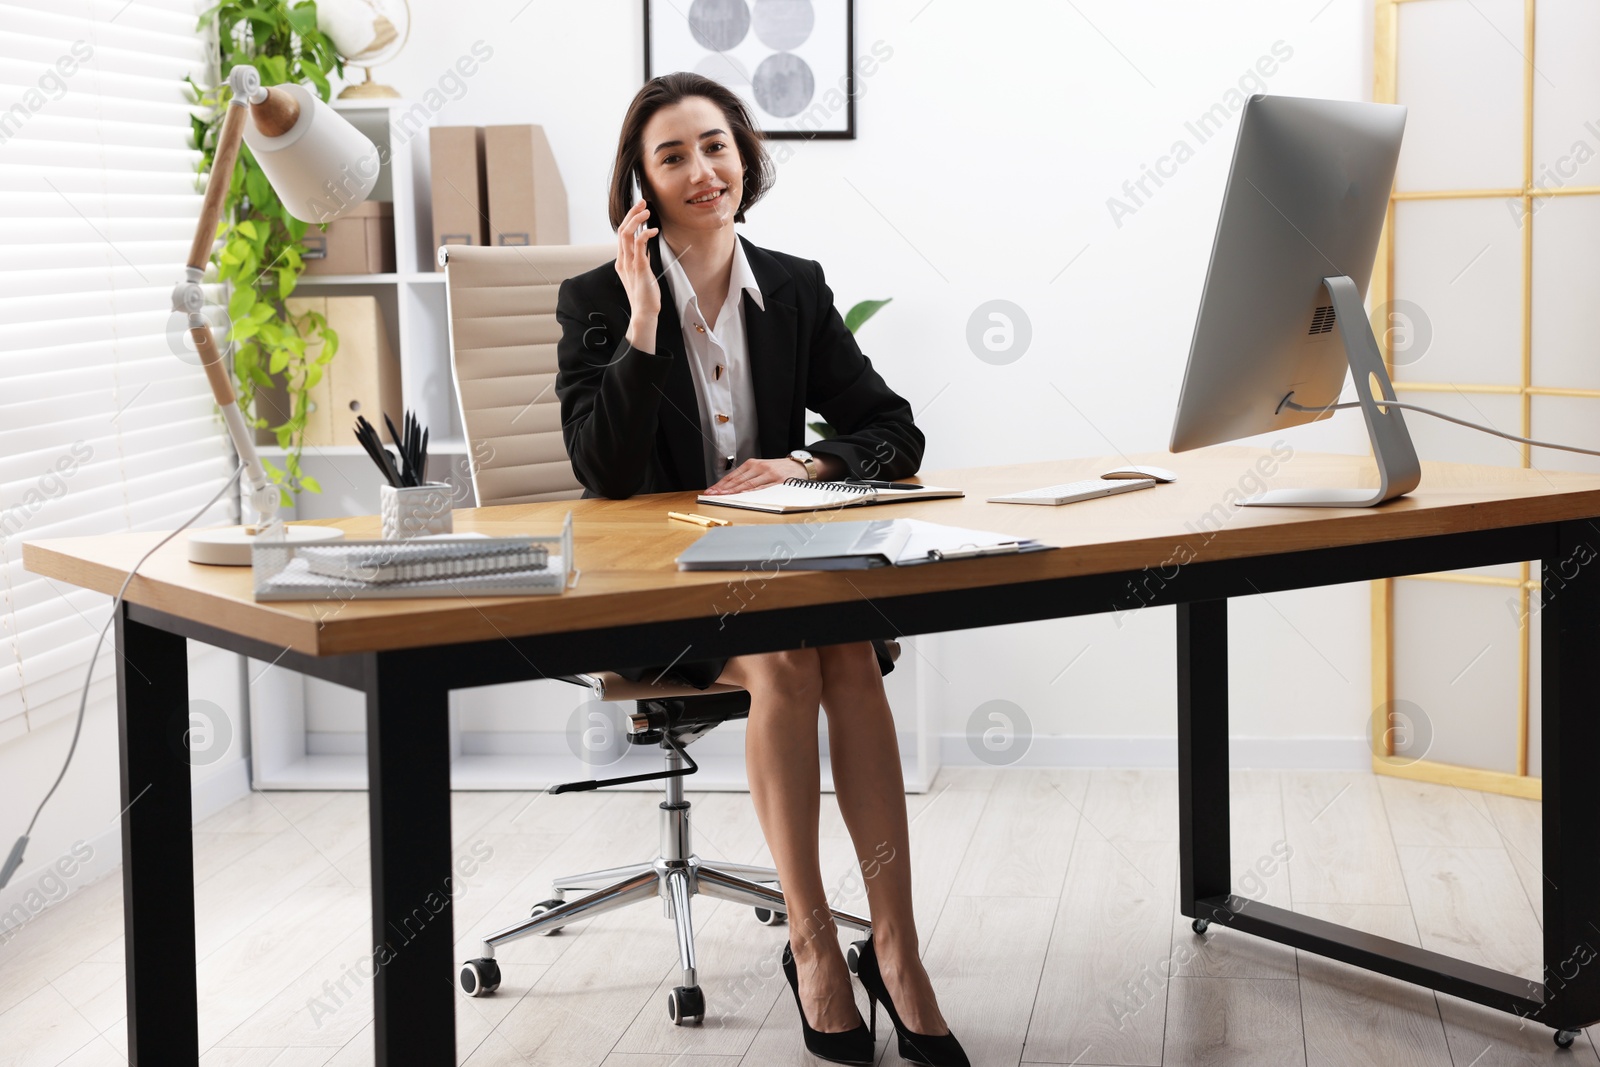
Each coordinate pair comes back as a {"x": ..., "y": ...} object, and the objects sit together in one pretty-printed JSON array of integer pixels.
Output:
[{"x": 754, "y": 473}]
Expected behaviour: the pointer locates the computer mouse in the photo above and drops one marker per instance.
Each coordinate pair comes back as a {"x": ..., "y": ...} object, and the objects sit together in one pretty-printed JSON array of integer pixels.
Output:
[{"x": 1134, "y": 470}]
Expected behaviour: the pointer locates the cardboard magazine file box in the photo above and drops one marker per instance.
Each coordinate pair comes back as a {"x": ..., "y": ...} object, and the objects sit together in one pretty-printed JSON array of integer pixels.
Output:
[
  {"x": 459, "y": 194},
  {"x": 361, "y": 241},
  {"x": 363, "y": 377},
  {"x": 527, "y": 202}
]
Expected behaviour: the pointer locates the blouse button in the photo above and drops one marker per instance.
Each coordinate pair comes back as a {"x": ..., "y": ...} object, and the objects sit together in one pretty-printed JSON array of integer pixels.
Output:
[
  {"x": 699, "y": 327},
  {"x": 721, "y": 417},
  {"x": 717, "y": 375}
]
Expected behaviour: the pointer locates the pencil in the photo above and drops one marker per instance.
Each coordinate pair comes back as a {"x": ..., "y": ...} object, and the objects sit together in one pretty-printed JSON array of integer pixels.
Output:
[{"x": 698, "y": 520}]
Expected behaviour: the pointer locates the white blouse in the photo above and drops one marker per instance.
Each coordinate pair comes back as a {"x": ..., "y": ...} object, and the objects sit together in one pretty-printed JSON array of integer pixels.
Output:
[{"x": 719, "y": 360}]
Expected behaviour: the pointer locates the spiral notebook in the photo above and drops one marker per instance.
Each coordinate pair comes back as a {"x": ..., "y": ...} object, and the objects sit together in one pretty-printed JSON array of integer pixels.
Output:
[
  {"x": 413, "y": 561},
  {"x": 797, "y": 494},
  {"x": 468, "y": 564}
]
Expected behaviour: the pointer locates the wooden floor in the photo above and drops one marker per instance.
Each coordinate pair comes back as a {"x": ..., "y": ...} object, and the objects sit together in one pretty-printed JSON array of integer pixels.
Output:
[{"x": 1046, "y": 902}]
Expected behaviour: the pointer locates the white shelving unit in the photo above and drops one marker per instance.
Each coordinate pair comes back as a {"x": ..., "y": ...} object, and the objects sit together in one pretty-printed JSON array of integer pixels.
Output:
[{"x": 309, "y": 734}]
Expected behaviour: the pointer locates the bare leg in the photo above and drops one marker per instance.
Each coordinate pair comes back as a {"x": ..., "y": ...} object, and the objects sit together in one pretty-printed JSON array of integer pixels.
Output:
[
  {"x": 865, "y": 756},
  {"x": 782, "y": 762}
]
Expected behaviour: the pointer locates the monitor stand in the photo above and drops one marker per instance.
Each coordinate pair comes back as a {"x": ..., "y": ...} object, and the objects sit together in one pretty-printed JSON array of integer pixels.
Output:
[{"x": 1398, "y": 468}]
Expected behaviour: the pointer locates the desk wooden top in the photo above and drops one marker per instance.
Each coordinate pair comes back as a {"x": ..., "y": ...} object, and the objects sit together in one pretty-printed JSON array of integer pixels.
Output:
[{"x": 626, "y": 548}]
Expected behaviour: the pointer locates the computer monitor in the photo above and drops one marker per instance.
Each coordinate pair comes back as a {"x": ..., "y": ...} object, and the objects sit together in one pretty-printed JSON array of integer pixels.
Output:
[{"x": 1281, "y": 317}]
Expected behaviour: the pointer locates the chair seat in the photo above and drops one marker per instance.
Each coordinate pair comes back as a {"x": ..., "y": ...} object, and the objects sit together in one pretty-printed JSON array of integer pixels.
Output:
[{"x": 609, "y": 685}]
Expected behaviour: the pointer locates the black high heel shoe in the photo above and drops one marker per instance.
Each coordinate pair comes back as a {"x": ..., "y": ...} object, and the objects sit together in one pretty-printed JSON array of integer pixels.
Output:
[
  {"x": 846, "y": 1046},
  {"x": 930, "y": 1050}
]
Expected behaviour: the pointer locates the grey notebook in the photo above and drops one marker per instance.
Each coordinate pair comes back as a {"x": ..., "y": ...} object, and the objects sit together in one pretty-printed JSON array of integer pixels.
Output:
[{"x": 841, "y": 546}]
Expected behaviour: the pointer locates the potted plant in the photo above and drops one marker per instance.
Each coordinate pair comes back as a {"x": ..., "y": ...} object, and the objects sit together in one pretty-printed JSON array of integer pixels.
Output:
[
  {"x": 853, "y": 320},
  {"x": 259, "y": 257}
]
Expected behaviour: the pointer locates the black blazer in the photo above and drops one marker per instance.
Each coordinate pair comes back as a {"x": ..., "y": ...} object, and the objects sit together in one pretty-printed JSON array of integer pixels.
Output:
[{"x": 630, "y": 418}]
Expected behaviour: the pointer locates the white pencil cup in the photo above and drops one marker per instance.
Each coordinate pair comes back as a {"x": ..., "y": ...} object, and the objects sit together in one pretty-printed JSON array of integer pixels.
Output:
[{"x": 415, "y": 511}]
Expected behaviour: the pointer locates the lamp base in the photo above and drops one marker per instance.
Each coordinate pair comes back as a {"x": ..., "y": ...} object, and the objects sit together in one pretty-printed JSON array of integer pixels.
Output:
[{"x": 229, "y": 546}]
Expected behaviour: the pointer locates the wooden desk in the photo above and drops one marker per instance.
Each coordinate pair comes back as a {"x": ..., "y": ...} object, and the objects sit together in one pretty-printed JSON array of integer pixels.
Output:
[{"x": 1181, "y": 544}]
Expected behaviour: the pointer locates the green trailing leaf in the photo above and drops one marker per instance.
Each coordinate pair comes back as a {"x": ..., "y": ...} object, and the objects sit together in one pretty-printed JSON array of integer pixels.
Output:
[
  {"x": 863, "y": 311},
  {"x": 321, "y": 83},
  {"x": 303, "y": 17},
  {"x": 241, "y": 303},
  {"x": 256, "y": 186}
]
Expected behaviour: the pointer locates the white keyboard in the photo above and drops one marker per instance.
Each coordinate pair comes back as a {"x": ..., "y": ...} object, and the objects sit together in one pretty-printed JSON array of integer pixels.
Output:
[{"x": 1069, "y": 492}]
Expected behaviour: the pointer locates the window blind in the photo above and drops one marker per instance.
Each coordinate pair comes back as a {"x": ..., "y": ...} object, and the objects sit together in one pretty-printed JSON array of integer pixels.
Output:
[{"x": 102, "y": 427}]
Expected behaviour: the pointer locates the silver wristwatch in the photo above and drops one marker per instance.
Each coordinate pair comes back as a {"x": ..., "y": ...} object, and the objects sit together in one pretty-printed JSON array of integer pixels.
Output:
[{"x": 807, "y": 460}]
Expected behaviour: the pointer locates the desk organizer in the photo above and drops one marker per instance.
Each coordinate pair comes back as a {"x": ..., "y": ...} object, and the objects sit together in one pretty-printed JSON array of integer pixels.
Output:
[
  {"x": 422, "y": 567},
  {"x": 415, "y": 511}
]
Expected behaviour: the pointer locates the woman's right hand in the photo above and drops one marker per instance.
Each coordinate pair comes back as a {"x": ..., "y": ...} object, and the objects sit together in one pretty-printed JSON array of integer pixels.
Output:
[{"x": 633, "y": 267}]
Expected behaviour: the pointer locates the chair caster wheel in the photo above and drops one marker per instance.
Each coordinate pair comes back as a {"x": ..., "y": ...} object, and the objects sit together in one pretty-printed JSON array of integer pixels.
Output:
[
  {"x": 542, "y": 907},
  {"x": 1565, "y": 1038},
  {"x": 852, "y": 956},
  {"x": 481, "y": 976},
  {"x": 686, "y": 1004},
  {"x": 769, "y": 917},
  {"x": 1200, "y": 926}
]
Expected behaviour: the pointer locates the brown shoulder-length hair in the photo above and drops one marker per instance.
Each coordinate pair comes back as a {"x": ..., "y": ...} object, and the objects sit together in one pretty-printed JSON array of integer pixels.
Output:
[{"x": 662, "y": 92}]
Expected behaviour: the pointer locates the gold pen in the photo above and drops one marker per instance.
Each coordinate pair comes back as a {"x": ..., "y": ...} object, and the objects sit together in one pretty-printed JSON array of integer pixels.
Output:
[{"x": 698, "y": 520}]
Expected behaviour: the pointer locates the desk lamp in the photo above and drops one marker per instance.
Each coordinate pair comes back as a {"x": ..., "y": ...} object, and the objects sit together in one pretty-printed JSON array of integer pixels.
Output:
[{"x": 320, "y": 166}]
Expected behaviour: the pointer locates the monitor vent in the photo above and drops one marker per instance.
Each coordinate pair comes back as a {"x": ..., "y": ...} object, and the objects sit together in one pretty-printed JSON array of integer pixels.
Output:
[{"x": 1322, "y": 321}]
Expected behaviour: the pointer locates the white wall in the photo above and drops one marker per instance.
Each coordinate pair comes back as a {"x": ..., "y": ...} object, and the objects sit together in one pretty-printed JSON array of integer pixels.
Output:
[{"x": 988, "y": 143}]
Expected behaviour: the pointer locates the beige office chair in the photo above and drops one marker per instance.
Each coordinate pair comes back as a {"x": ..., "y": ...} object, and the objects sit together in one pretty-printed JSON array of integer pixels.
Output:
[{"x": 503, "y": 333}]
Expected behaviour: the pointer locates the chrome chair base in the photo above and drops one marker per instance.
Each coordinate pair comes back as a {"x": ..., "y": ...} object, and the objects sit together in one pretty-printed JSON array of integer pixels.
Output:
[{"x": 676, "y": 875}]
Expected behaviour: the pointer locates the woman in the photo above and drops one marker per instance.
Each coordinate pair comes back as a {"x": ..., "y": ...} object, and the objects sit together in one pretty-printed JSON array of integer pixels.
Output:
[{"x": 700, "y": 381}]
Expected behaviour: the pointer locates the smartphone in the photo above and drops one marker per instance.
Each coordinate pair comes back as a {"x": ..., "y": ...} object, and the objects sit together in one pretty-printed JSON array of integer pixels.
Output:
[{"x": 634, "y": 195}]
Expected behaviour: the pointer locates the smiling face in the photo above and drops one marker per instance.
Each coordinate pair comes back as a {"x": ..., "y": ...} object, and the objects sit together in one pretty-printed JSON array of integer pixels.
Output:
[{"x": 692, "y": 166}]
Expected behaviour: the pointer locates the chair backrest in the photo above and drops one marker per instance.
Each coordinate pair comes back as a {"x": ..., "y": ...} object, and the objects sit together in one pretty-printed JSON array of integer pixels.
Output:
[{"x": 503, "y": 333}]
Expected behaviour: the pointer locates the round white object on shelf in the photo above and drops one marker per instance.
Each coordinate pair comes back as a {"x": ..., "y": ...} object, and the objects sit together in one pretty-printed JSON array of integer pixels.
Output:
[{"x": 229, "y": 546}]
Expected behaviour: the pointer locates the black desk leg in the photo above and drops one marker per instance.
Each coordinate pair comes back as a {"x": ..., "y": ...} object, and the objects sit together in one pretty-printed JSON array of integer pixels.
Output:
[
  {"x": 157, "y": 846},
  {"x": 1570, "y": 622},
  {"x": 408, "y": 801},
  {"x": 1202, "y": 755}
]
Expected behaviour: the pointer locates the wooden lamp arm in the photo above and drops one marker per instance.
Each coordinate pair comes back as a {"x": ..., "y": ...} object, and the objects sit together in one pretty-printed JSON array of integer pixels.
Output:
[{"x": 275, "y": 112}]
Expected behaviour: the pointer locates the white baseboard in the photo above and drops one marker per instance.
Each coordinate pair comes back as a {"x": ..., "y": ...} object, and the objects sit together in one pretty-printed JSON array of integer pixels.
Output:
[{"x": 1266, "y": 753}]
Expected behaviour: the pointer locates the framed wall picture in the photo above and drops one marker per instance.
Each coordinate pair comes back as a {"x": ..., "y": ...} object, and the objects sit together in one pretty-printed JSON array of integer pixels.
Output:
[{"x": 789, "y": 60}]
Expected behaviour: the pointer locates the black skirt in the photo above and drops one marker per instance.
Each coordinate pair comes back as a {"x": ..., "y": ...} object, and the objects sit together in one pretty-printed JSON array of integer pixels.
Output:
[{"x": 701, "y": 673}]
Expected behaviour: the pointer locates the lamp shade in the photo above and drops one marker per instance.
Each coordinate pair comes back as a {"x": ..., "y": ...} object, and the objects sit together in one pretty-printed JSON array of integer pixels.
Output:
[{"x": 322, "y": 166}]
